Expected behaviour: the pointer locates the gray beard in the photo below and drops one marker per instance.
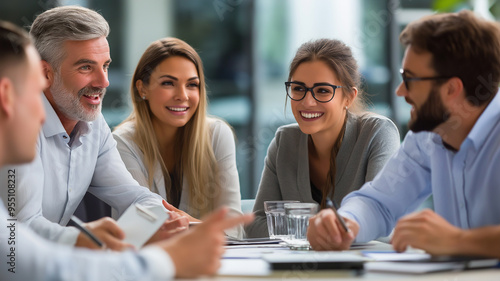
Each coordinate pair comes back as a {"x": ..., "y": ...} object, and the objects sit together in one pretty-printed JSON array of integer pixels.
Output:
[{"x": 70, "y": 105}]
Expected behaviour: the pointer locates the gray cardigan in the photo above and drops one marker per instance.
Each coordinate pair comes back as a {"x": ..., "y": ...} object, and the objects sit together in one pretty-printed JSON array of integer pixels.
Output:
[{"x": 369, "y": 141}]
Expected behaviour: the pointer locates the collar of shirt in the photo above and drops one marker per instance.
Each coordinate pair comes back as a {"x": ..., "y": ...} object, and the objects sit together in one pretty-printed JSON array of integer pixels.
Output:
[
  {"x": 485, "y": 123},
  {"x": 53, "y": 125},
  {"x": 480, "y": 131}
]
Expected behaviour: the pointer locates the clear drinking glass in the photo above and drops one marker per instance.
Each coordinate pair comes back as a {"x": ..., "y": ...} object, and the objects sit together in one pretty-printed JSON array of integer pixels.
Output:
[
  {"x": 276, "y": 220},
  {"x": 297, "y": 215}
]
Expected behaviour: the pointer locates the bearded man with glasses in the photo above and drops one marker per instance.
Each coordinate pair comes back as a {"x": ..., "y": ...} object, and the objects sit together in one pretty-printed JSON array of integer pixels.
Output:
[{"x": 451, "y": 73}]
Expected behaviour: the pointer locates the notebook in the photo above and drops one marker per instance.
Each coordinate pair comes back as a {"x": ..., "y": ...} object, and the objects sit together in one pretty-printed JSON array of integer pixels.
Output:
[
  {"x": 431, "y": 264},
  {"x": 230, "y": 241},
  {"x": 140, "y": 223},
  {"x": 311, "y": 260}
]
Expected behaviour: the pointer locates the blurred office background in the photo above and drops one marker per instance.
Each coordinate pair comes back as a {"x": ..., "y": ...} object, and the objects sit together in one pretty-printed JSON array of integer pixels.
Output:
[{"x": 246, "y": 47}]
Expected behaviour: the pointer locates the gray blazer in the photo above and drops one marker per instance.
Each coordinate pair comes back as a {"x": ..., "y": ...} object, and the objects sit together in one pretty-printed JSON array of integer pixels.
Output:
[{"x": 369, "y": 141}]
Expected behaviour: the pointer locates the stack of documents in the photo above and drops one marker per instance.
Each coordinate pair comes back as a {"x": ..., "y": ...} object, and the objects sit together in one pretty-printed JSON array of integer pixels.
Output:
[
  {"x": 419, "y": 263},
  {"x": 251, "y": 241},
  {"x": 311, "y": 260}
]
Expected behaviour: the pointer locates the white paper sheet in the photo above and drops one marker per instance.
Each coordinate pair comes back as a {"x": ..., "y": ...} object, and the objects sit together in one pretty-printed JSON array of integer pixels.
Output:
[{"x": 138, "y": 226}]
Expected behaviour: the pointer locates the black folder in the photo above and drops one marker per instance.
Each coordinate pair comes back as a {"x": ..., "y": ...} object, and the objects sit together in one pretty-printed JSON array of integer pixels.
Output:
[{"x": 315, "y": 261}]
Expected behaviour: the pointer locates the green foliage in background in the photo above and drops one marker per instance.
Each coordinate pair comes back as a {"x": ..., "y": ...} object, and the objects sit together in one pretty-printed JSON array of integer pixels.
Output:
[
  {"x": 451, "y": 5},
  {"x": 457, "y": 5}
]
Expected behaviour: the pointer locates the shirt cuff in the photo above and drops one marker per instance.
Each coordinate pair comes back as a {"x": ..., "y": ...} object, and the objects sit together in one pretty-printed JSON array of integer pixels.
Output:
[
  {"x": 69, "y": 236},
  {"x": 159, "y": 263},
  {"x": 350, "y": 216}
]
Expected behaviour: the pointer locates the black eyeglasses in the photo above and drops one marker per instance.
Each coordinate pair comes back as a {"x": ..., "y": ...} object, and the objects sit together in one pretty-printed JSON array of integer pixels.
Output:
[
  {"x": 407, "y": 79},
  {"x": 322, "y": 92}
]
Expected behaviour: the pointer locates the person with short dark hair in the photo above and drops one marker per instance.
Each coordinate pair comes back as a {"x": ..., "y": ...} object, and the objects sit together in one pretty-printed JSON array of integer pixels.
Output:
[{"x": 451, "y": 73}]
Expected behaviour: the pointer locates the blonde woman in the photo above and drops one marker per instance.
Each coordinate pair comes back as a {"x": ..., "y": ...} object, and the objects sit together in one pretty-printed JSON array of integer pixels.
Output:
[{"x": 169, "y": 144}]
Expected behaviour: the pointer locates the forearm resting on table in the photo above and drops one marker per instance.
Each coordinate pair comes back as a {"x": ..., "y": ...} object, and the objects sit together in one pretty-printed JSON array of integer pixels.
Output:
[{"x": 484, "y": 241}]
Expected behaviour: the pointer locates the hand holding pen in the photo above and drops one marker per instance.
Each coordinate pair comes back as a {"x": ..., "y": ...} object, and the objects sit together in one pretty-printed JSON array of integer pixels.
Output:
[
  {"x": 79, "y": 224},
  {"x": 330, "y": 204},
  {"x": 330, "y": 231},
  {"x": 106, "y": 232}
]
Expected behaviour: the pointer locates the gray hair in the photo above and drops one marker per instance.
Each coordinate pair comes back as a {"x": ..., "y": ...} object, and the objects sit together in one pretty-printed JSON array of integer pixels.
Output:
[{"x": 55, "y": 26}]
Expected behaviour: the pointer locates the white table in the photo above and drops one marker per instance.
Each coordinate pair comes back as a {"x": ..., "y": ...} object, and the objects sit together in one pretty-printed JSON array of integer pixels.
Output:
[{"x": 232, "y": 264}]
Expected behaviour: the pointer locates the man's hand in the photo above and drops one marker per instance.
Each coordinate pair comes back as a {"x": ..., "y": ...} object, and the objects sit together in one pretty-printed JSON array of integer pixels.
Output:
[
  {"x": 427, "y": 231},
  {"x": 107, "y": 231},
  {"x": 173, "y": 225},
  {"x": 326, "y": 233},
  {"x": 198, "y": 251},
  {"x": 179, "y": 212}
]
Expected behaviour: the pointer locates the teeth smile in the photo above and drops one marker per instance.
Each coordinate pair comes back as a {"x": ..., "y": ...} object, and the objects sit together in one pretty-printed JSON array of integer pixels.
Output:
[
  {"x": 177, "y": 108},
  {"x": 310, "y": 115},
  {"x": 95, "y": 96}
]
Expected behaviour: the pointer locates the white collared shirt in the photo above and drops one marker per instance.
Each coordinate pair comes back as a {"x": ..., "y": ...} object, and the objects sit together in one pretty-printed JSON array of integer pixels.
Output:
[
  {"x": 49, "y": 189},
  {"x": 35, "y": 258}
]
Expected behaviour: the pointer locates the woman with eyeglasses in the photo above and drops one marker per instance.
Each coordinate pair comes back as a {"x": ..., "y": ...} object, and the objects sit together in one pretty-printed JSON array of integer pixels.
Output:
[{"x": 335, "y": 146}]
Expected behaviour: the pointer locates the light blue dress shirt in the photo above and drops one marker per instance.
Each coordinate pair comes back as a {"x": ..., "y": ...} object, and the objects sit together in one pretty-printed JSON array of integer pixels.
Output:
[
  {"x": 465, "y": 184},
  {"x": 26, "y": 256},
  {"x": 49, "y": 189}
]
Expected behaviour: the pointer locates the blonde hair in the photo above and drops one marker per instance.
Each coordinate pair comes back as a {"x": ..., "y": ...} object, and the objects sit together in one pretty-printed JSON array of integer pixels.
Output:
[{"x": 196, "y": 160}]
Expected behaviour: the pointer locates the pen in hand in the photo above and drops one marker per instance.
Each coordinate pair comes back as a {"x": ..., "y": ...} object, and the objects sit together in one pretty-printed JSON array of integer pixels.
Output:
[
  {"x": 79, "y": 224},
  {"x": 330, "y": 204}
]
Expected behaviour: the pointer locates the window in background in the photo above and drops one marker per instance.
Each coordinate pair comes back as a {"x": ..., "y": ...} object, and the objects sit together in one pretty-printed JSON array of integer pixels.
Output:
[
  {"x": 246, "y": 47},
  {"x": 222, "y": 35}
]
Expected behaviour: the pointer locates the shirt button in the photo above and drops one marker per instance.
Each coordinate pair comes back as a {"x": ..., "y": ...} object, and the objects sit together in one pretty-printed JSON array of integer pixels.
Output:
[{"x": 65, "y": 137}]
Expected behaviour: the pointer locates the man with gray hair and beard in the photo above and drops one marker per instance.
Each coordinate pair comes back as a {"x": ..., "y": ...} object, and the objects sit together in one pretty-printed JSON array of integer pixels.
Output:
[
  {"x": 26, "y": 256},
  {"x": 76, "y": 152}
]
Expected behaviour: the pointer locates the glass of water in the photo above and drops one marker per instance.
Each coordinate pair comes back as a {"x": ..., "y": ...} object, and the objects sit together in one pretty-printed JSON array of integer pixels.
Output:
[
  {"x": 297, "y": 215},
  {"x": 276, "y": 220}
]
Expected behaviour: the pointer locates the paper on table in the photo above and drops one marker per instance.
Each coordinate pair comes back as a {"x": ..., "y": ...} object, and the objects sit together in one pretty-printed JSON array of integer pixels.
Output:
[
  {"x": 393, "y": 256},
  {"x": 418, "y": 263},
  {"x": 253, "y": 252},
  {"x": 238, "y": 267},
  {"x": 230, "y": 241},
  {"x": 313, "y": 256},
  {"x": 140, "y": 223}
]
